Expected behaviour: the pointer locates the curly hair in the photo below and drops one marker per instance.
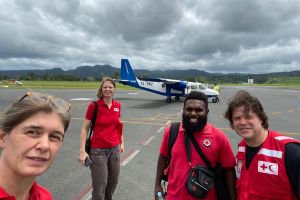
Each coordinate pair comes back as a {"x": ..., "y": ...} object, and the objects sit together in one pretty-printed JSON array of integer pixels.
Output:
[{"x": 251, "y": 103}]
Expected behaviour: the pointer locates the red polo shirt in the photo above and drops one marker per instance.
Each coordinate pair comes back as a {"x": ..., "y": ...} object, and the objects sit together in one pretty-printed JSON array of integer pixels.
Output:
[
  {"x": 106, "y": 126},
  {"x": 37, "y": 192},
  {"x": 215, "y": 146}
]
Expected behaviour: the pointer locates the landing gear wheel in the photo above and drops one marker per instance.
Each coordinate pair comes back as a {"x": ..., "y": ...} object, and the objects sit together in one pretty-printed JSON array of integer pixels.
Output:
[
  {"x": 177, "y": 98},
  {"x": 214, "y": 100},
  {"x": 168, "y": 100}
]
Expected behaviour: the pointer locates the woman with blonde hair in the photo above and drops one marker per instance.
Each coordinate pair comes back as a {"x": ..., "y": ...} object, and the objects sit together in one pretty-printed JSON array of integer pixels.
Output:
[{"x": 106, "y": 142}]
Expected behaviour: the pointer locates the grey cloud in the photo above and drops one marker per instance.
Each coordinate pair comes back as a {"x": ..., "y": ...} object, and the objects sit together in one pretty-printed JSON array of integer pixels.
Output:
[{"x": 217, "y": 36}]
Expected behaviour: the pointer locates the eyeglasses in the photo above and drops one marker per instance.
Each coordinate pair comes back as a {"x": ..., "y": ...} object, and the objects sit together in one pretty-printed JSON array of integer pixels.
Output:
[{"x": 59, "y": 103}]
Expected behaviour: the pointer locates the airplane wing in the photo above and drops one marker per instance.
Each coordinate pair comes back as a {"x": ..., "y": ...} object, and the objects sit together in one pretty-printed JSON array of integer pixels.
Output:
[{"x": 164, "y": 80}]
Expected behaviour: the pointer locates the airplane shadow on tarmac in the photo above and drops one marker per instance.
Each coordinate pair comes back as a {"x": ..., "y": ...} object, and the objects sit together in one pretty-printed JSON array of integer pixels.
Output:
[{"x": 148, "y": 103}]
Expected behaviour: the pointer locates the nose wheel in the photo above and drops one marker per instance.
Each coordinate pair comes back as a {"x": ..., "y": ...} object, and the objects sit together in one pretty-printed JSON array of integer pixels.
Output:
[{"x": 215, "y": 100}]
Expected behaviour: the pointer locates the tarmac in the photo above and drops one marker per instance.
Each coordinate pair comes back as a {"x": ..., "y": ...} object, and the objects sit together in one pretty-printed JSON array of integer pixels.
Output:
[{"x": 145, "y": 115}]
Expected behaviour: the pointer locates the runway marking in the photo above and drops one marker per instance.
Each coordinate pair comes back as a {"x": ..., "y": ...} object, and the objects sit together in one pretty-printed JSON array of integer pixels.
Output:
[
  {"x": 149, "y": 140},
  {"x": 156, "y": 116},
  {"x": 275, "y": 113},
  {"x": 290, "y": 133},
  {"x": 81, "y": 99},
  {"x": 86, "y": 194},
  {"x": 170, "y": 115},
  {"x": 145, "y": 119},
  {"x": 169, "y": 118},
  {"x": 142, "y": 123},
  {"x": 291, "y": 111},
  {"x": 78, "y": 118},
  {"x": 127, "y": 122},
  {"x": 126, "y": 160},
  {"x": 226, "y": 129}
]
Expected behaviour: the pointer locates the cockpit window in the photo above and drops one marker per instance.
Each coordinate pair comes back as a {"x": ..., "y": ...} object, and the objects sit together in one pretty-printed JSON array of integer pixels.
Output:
[
  {"x": 202, "y": 87},
  {"x": 194, "y": 87}
]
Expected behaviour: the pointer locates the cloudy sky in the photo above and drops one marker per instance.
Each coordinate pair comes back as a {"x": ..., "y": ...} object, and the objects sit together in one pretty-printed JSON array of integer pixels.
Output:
[{"x": 252, "y": 36}]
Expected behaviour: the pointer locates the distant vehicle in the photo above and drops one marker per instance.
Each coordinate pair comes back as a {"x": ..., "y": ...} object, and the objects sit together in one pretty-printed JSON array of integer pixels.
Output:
[
  {"x": 18, "y": 83},
  {"x": 162, "y": 86}
]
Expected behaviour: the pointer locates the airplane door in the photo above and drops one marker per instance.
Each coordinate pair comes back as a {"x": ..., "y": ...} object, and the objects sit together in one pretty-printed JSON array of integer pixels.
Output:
[{"x": 187, "y": 89}]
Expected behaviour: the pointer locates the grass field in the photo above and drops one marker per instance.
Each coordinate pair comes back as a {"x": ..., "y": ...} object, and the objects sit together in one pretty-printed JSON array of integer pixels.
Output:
[{"x": 293, "y": 83}]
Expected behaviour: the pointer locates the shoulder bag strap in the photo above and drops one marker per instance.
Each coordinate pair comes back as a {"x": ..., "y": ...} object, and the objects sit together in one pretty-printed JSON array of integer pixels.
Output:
[
  {"x": 93, "y": 119},
  {"x": 197, "y": 147}
]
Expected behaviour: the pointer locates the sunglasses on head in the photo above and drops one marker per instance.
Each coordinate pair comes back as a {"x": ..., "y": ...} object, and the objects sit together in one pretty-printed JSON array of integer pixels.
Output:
[{"x": 61, "y": 104}]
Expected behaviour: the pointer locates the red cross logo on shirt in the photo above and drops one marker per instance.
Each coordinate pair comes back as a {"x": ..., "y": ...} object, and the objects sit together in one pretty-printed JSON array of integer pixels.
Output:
[
  {"x": 206, "y": 142},
  {"x": 263, "y": 167}
]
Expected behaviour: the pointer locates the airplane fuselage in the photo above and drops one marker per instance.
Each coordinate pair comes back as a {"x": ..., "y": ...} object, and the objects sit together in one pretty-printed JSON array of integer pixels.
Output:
[{"x": 161, "y": 86}]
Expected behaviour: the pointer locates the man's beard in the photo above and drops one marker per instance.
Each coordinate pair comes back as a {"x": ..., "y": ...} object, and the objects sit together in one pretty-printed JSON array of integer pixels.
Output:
[{"x": 192, "y": 128}]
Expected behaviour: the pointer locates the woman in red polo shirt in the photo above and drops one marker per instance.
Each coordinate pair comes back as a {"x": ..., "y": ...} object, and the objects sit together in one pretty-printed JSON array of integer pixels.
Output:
[
  {"x": 106, "y": 141},
  {"x": 31, "y": 134}
]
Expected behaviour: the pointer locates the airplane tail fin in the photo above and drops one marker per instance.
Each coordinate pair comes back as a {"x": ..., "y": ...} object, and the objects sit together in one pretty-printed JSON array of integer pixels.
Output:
[{"x": 126, "y": 71}]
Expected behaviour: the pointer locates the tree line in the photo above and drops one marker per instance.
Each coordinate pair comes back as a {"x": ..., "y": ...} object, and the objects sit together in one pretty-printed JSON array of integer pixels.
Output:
[{"x": 211, "y": 78}]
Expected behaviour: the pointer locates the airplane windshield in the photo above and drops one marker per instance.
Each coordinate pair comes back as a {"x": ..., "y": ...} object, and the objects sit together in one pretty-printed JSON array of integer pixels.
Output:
[{"x": 202, "y": 87}]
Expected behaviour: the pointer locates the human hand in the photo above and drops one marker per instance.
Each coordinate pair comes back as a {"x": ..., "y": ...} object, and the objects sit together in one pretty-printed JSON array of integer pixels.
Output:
[
  {"x": 83, "y": 155},
  {"x": 122, "y": 148}
]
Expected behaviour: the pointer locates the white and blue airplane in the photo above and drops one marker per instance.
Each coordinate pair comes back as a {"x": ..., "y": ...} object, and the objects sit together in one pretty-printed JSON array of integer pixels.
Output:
[{"x": 162, "y": 86}]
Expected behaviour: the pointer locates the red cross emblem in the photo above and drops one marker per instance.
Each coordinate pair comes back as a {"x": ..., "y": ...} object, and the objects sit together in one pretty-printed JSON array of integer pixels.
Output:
[
  {"x": 263, "y": 167},
  {"x": 206, "y": 142}
]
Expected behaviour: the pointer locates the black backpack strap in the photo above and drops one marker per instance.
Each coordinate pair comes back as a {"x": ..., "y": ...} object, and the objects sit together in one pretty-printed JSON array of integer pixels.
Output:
[
  {"x": 174, "y": 129},
  {"x": 93, "y": 119},
  {"x": 198, "y": 149}
]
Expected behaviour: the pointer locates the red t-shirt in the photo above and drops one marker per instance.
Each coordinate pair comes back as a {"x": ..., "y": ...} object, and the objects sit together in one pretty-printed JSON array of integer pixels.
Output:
[
  {"x": 215, "y": 146},
  {"x": 37, "y": 192},
  {"x": 105, "y": 133}
]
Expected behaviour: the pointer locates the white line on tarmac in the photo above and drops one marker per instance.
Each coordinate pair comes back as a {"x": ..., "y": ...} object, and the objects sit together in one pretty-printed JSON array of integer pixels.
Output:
[
  {"x": 88, "y": 196},
  {"x": 124, "y": 162},
  {"x": 149, "y": 140},
  {"x": 81, "y": 99},
  {"x": 156, "y": 116}
]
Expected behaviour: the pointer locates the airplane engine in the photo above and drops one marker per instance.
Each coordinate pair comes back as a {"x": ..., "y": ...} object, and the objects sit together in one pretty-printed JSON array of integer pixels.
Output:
[{"x": 179, "y": 85}]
